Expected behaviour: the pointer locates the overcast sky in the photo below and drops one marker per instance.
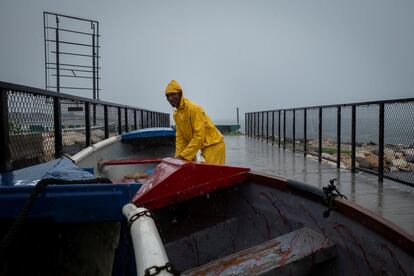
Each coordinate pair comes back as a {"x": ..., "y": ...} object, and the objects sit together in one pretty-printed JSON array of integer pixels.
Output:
[{"x": 255, "y": 55}]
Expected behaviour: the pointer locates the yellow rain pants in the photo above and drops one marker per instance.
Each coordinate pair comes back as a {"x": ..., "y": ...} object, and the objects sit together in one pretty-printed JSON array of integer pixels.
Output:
[
  {"x": 195, "y": 131},
  {"x": 215, "y": 154}
]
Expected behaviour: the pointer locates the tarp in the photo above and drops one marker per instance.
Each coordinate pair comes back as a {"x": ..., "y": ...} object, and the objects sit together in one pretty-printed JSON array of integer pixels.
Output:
[
  {"x": 62, "y": 169},
  {"x": 64, "y": 202}
]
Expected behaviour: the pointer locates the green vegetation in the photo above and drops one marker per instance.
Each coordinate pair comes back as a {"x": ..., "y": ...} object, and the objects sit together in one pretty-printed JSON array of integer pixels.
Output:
[{"x": 333, "y": 151}]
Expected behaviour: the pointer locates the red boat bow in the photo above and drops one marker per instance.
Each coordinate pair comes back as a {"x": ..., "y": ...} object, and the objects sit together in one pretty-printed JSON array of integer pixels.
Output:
[{"x": 175, "y": 180}]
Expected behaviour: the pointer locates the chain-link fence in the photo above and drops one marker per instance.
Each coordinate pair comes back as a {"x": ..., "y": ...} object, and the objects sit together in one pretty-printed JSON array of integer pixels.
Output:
[
  {"x": 37, "y": 125},
  {"x": 376, "y": 137}
]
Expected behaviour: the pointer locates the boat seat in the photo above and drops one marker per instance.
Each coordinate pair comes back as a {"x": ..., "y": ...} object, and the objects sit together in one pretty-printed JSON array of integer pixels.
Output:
[{"x": 290, "y": 254}]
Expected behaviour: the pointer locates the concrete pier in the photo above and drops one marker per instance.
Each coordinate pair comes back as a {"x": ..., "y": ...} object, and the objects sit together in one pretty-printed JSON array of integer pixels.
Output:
[{"x": 392, "y": 200}]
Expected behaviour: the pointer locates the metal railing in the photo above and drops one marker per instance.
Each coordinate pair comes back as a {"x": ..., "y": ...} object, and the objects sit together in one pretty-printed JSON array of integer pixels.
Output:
[
  {"x": 37, "y": 125},
  {"x": 375, "y": 137}
]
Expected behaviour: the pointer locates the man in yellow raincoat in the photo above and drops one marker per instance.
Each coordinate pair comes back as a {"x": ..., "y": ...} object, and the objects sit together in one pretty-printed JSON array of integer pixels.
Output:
[{"x": 194, "y": 129}]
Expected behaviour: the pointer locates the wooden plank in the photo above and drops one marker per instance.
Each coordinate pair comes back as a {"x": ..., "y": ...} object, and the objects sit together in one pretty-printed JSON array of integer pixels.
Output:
[{"x": 290, "y": 254}]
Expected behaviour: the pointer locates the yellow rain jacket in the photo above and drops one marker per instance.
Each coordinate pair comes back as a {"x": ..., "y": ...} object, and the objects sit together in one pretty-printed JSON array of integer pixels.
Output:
[{"x": 195, "y": 131}]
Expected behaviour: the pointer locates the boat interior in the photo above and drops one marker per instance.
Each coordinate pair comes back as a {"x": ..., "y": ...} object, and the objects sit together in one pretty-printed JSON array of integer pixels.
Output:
[
  {"x": 231, "y": 233},
  {"x": 259, "y": 228}
]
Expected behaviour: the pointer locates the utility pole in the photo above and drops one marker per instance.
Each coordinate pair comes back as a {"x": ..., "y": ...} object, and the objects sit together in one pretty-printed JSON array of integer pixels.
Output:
[{"x": 237, "y": 115}]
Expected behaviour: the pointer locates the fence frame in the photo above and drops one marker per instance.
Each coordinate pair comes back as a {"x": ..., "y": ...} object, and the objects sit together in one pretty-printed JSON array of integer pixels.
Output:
[
  {"x": 6, "y": 88},
  {"x": 253, "y": 120}
]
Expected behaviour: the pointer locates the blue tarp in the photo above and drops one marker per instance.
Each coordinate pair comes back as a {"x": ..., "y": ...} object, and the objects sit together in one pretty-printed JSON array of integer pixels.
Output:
[
  {"x": 62, "y": 168},
  {"x": 63, "y": 203}
]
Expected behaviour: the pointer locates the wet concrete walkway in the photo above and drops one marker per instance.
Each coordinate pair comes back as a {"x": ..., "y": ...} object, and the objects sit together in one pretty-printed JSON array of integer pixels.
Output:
[{"x": 390, "y": 199}]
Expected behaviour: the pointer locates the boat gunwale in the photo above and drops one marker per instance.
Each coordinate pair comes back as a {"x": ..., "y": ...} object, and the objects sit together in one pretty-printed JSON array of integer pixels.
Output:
[
  {"x": 94, "y": 148},
  {"x": 367, "y": 218}
]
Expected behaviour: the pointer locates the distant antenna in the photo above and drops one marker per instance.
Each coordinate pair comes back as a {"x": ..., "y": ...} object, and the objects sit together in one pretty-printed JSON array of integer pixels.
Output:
[{"x": 71, "y": 54}]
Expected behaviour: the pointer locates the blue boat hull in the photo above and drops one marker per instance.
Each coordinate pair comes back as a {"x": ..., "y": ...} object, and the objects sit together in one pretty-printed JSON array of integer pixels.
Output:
[{"x": 77, "y": 228}]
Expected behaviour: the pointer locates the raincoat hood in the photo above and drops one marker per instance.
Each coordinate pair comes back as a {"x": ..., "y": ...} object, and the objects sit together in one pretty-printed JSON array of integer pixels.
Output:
[{"x": 173, "y": 87}]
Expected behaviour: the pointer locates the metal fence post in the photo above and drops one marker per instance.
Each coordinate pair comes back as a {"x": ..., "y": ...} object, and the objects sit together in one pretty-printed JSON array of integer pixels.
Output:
[
  {"x": 94, "y": 114},
  {"x": 381, "y": 144},
  {"x": 57, "y": 55},
  {"x": 147, "y": 117},
  {"x": 353, "y": 134},
  {"x": 254, "y": 124},
  {"x": 320, "y": 135},
  {"x": 273, "y": 127},
  {"x": 294, "y": 130},
  {"x": 249, "y": 120},
  {"x": 142, "y": 119},
  {"x": 284, "y": 129},
  {"x": 57, "y": 122},
  {"x": 255, "y": 127},
  {"x": 126, "y": 119},
  {"x": 253, "y": 116},
  {"x": 262, "y": 133},
  {"x": 5, "y": 163},
  {"x": 87, "y": 124},
  {"x": 267, "y": 127},
  {"x": 338, "y": 137},
  {"x": 251, "y": 124},
  {"x": 95, "y": 94},
  {"x": 119, "y": 121},
  {"x": 278, "y": 125},
  {"x": 135, "y": 120},
  {"x": 152, "y": 119},
  {"x": 245, "y": 123},
  {"x": 305, "y": 134},
  {"x": 106, "y": 122}
]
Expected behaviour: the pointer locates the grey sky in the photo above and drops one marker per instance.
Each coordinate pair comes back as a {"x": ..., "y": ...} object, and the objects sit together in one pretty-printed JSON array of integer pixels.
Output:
[{"x": 256, "y": 55}]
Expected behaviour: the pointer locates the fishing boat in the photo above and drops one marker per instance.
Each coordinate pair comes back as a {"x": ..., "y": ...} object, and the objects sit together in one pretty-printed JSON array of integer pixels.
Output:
[
  {"x": 190, "y": 218},
  {"x": 64, "y": 217}
]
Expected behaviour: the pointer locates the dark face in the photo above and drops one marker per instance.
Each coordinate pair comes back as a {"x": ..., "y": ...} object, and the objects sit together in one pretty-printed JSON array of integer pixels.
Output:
[{"x": 174, "y": 99}]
